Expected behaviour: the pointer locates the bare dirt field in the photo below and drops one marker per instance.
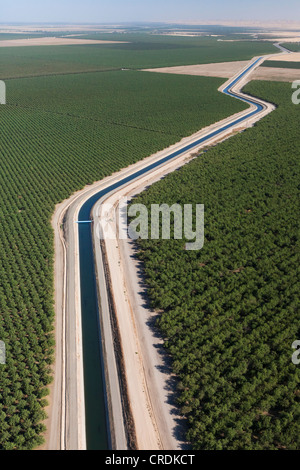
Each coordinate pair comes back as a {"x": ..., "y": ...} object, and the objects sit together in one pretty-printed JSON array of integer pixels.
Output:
[
  {"x": 52, "y": 42},
  {"x": 293, "y": 57},
  {"x": 229, "y": 69}
]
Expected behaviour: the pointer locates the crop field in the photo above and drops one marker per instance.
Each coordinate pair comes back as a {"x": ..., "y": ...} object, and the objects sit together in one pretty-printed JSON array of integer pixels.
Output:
[
  {"x": 293, "y": 46},
  {"x": 143, "y": 51},
  {"x": 58, "y": 134},
  {"x": 12, "y": 36},
  {"x": 230, "y": 312}
]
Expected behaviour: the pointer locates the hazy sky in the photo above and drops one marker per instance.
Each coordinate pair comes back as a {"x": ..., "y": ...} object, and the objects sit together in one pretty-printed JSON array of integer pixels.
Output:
[{"x": 106, "y": 11}]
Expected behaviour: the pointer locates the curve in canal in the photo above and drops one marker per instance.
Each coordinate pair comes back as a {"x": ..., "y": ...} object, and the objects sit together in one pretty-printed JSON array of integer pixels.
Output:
[{"x": 97, "y": 425}]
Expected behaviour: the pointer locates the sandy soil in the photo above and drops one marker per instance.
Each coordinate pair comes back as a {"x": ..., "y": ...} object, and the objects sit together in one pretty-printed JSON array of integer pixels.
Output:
[
  {"x": 271, "y": 27},
  {"x": 273, "y": 39},
  {"x": 52, "y": 42},
  {"x": 228, "y": 69},
  {"x": 150, "y": 383}
]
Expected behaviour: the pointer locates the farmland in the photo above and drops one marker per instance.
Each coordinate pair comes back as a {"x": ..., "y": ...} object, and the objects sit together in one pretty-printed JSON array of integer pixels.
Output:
[
  {"x": 57, "y": 135},
  {"x": 293, "y": 46},
  {"x": 230, "y": 312},
  {"x": 143, "y": 51},
  {"x": 75, "y": 118},
  {"x": 118, "y": 98}
]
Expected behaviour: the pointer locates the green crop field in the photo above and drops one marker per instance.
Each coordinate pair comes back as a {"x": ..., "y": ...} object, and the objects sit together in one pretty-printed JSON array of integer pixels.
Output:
[
  {"x": 229, "y": 313},
  {"x": 58, "y": 134},
  {"x": 283, "y": 65},
  {"x": 142, "y": 51}
]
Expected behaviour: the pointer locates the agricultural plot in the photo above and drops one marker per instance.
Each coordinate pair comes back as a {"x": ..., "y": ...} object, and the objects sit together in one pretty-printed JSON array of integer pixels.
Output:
[
  {"x": 58, "y": 134},
  {"x": 293, "y": 46},
  {"x": 144, "y": 51},
  {"x": 9, "y": 36},
  {"x": 131, "y": 99},
  {"x": 283, "y": 65},
  {"x": 230, "y": 312}
]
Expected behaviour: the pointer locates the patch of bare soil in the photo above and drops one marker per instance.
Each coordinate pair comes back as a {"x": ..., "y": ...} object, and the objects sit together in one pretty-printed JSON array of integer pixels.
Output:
[
  {"x": 223, "y": 69},
  {"x": 52, "y": 42}
]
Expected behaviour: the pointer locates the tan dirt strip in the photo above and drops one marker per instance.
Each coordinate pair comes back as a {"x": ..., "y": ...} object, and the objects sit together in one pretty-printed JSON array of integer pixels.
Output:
[
  {"x": 53, "y": 42},
  {"x": 228, "y": 69}
]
